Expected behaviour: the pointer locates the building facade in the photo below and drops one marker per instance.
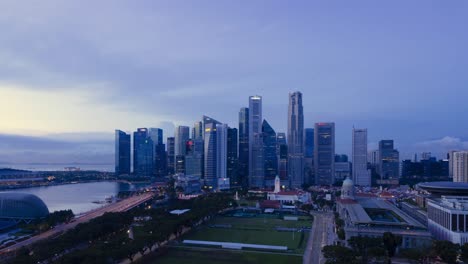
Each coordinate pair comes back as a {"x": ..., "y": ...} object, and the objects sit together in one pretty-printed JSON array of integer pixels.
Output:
[
  {"x": 269, "y": 153},
  {"x": 256, "y": 159},
  {"x": 122, "y": 153},
  {"x": 170, "y": 155},
  {"x": 361, "y": 174},
  {"x": 232, "y": 157},
  {"x": 210, "y": 154},
  {"x": 448, "y": 218},
  {"x": 296, "y": 140},
  {"x": 324, "y": 155},
  {"x": 460, "y": 166},
  {"x": 143, "y": 153},
  {"x": 243, "y": 171},
  {"x": 389, "y": 161}
]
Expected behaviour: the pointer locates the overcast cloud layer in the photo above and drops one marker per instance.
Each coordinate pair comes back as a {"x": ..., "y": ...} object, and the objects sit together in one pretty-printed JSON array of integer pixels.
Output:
[{"x": 398, "y": 68}]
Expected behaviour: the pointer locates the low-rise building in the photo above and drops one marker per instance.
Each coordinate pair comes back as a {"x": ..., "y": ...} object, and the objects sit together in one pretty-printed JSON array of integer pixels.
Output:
[
  {"x": 189, "y": 183},
  {"x": 448, "y": 218}
]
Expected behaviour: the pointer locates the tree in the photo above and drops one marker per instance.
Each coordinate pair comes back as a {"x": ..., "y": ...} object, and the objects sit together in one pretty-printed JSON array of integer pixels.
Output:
[
  {"x": 446, "y": 250},
  {"x": 391, "y": 242},
  {"x": 366, "y": 246},
  {"x": 464, "y": 252},
  {"x": 414, "y": 254},
  {"x": 338, "y": 255}
]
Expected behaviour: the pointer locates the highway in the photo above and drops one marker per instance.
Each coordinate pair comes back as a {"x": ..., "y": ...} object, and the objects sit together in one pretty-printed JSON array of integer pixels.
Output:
[
  {"x": 322, "y": 234},
  {"x": 121, "y": 206}
]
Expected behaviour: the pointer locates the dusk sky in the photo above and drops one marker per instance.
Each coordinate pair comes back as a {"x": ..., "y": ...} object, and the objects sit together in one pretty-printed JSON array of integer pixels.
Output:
[{"x": 71, "y": 72}]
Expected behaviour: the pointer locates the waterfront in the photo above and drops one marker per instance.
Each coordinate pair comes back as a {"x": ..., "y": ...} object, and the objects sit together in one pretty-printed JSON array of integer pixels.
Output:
[
  {"x": 78, "y": 197},
  {"x": 57, "y": 167}
]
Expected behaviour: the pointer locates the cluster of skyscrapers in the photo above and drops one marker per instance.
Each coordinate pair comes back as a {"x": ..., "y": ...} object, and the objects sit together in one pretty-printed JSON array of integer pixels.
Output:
[{"x": 251, "y": 155}]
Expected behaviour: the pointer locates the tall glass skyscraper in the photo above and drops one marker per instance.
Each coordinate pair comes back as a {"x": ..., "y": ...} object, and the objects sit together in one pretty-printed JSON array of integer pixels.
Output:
[
  {"x": 269, "y": 153},
  {"x": 197, "y": 131},
  {"x": 296, "y": 140},
  {"x": 170, "y": 155},
  {"x": 142, "y": 153},
  {"x": 309, "y": 156},
  {"x": 361, "y": 174},
  {"x": 282, "y": 153},
  {"x": 182, "y": 135},
  {"x": 194, "y": 159},
  {"x": 256, "y": 159},
  {"x": 389, "y": 161},
  {"x": 210, "y": 159},
  {"x": 232, "y": 158},
  {"x": 122, "y": 152},
  {"x": 324, "y": 155},
  {"x": 243, "y": 146}
]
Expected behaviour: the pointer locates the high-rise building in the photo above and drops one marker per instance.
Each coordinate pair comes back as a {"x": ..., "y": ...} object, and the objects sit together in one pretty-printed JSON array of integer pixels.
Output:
[
  {"x": 156, "y": 134},
  {"x": 296, "y": 140},
  {"x": 243, "y": 171},
  {"x": 232, "y": 158},
  {"x": 194, "y": 159},
  {"x": 269, "y": 153},
  {"x": 451, "y": 161},
  {"x": 210, "y": 151},
  {"x": 309, "y": 156},
  {"x": 324, "y": 155},
  {"x": 160, "y": 161},
  {"x": 197, "y": 131},
  {"x": 180, "y": 164},
  {"x": 122, "y": 152},
  {"x": 170, "y": 155},
  {"x": 389, "y": 161},
  {"x": 361, "y": 174},
  {"x": 256, "y": 160},
  {"x": 143, "y": 150},
  {"x": 221, "y": 155},
  {"x": 460, "y": 166},
  {"x": 282, "y": 153},
  {"x": 182, "y": 134}
]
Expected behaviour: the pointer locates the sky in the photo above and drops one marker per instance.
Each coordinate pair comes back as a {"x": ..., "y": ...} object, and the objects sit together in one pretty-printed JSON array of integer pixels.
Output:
[{"x": 71, "y": 72}]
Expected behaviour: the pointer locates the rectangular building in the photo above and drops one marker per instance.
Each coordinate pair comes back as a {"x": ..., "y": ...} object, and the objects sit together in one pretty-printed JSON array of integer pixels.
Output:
[{"x": 324, "y": 155}]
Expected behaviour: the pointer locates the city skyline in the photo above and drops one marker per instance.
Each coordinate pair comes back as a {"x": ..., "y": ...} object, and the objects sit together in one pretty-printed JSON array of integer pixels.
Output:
[{"x": 132, "y": 72}]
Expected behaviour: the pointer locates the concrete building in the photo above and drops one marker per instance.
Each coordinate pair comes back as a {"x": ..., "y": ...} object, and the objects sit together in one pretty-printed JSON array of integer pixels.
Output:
[
  {"x": 324, "y": 155},
  {"x": 448, "y": 218},
  {"x": 122, "y": 153},
  {"x": 296, "y": 140},
  {"x": 361, "y": 174},
  {"x": 365, "y": 215},
  {"x": 460, "y": 166}
]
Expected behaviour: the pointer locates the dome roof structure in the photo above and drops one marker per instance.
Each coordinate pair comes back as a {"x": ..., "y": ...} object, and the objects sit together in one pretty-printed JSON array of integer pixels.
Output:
[
  {"x": 347, "y": 190},
  {"x": 21, "y": 206}
]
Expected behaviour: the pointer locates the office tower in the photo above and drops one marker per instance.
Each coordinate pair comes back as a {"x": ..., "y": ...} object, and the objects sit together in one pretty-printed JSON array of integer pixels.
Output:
[
  {"x": 309, "y": 156},
  {"x": 232, "y": 158},
  {"x": 194, "y": 158},
  {"x": 156, "y": 134},
  {"x": 142, "y": 153},
  {"x": 170, "y": 155},
  {"x": 460, "y": 166},
  {"x": 243, "y": 146},
  {"x": 256, "y": 160},
  {"x": 160, "y": 161},
  {"x": 197, "y": 131},
  {"x": 221, "y": 156},
  {"x": 182, "y": 134},
  {"x": 342, "y": 170},
  {"x": 210, "y": 155},
  {"x": 451, "y": 161},
  {"x": 373, "y": 157},
  {"x": 341, "y": 158},
  {"x": 269, "y": 153},
  {"x": 122, "y": 152},
  {"x": 324, "y": 154},
  {"x": 389, "y": 161},
  {"x": 296, "y": 140},
  {"x": 282, "y": 153},
  {"x": 361, "y": 174}
]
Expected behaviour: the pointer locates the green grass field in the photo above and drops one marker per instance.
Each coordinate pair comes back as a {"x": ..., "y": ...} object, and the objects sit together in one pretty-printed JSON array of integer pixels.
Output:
[
  {"x": 253, "y": 231},
  {"x": 211, "y": 256}
]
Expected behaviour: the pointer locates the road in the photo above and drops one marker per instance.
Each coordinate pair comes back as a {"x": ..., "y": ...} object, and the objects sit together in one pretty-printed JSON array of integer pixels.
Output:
[
  {"x": 322, "y": 234},
  {"x": 121, "y": 206}
]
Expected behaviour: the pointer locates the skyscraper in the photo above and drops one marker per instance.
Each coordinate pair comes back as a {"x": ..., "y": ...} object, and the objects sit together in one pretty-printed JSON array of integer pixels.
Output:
[
  {"x": 243, "y": 171},
  {"x": 460, "y": 166},
  {"x": 194, "y": 159},
  {"x": 324, "y": 155},
  {"x": 296, "y": 140},
  {"x": 361, "y": 174},
  {"x": 210, "y": 148},
  {"x": 221, "y": 155},
  {"x": 309, "y": 156},
  {"x": 197, "y": 131},
  {"x": 232, "y": 158},
  {"x": 182, "y": 134},
  {"x": 389, "y": 161},
  {"x": 142, "y": 153},
  {"x": 282, "y": 153},
  {"x": 159, "y": 152},
  {"x": 256, "y": 160},
  {"x": 156, "y": 134},
  {"x": 170, "y": 155},
  {"x": 269, "y": 153},
  {"x": 122, "y": 152}
]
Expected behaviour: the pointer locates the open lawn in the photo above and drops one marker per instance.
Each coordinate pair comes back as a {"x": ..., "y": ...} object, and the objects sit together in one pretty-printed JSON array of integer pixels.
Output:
[
  {"x": 253, "y": 231},
  {"x": 211, "y": 256}
]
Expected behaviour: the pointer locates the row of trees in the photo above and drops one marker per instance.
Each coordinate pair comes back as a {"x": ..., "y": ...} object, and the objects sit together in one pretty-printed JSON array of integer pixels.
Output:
[
  {"x": 105, "y": 239},
  {"x": 362, "y": 249},
  {"x": 51, "y": 220}
]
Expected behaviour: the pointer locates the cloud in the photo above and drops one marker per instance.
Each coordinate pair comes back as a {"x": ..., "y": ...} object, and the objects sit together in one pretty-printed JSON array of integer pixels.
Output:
[{"x": 443, "y": 145}]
